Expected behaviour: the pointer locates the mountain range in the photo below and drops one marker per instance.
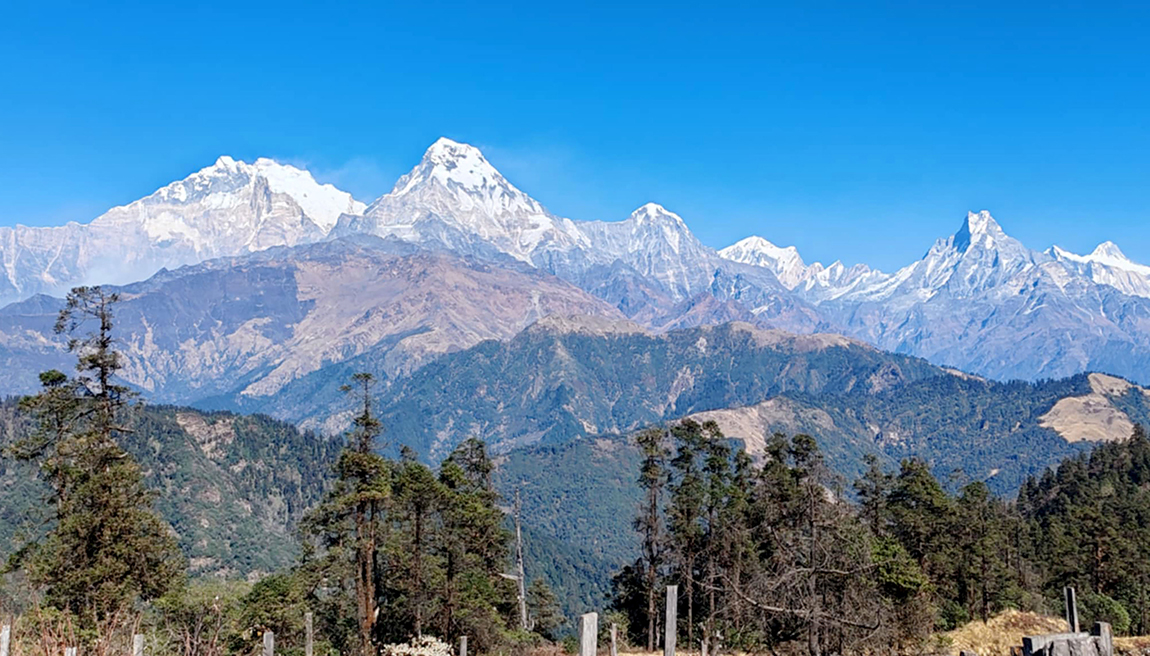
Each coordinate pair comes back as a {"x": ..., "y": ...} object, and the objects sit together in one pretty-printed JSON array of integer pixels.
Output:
[
  {"x": 978, "y": 301},
  {"x": 254, "y": 289}
]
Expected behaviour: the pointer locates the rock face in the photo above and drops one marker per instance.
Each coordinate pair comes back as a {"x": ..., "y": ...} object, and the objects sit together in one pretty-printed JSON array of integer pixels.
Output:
[{"x": 245, "y": 327}]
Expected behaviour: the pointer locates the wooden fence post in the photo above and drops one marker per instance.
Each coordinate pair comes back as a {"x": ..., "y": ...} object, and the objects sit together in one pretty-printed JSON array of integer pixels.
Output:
[
  {"x": 462, "y": 645},
  {"x": 589, "y": 634},
  {"x": 614, "y": 637},
  {"x": 672, "y": 623},
  {"x": 138, "y": 645},
  {"x": 5, "y": 639},
  {"x": 269, "y": 643},
  {"x": 309, "y": 638}
]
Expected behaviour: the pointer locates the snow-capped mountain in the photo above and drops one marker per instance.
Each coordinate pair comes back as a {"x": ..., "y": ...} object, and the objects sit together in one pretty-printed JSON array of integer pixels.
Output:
[
  {"x": 786, "y": 262},
  {"x": 814, "y": 281},
  {"x": 1108, "y": 265},
  {"x": 978, "y": 300},
  {"x": 228, "y": 208},
  {"x": 456, "y": 200},
  {"x": 979, "y": 257}
]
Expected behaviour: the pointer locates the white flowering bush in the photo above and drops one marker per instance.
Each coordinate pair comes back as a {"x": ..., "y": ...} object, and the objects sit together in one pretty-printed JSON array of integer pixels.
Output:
[{"x": 425, "y": 646}]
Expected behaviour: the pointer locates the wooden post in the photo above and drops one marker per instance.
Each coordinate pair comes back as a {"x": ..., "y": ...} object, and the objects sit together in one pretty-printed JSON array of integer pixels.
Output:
[
  {"x": 138, "y": 645},
  {"x": 589, "y": 634},
  {"x": 5, "y": 639},
  {"x": 308, "y": 635},
  {"x": 269, "y": 643},
  {"x": 614, "y": 636},
  {"x": 1071, "y": 608},
  {"x": 672, "y": 620},
  {"x": 462, "y": 645}
]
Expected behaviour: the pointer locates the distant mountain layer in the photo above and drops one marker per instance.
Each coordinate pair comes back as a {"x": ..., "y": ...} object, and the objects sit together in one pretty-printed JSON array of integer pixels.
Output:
[{"x": 240, "y": 330}]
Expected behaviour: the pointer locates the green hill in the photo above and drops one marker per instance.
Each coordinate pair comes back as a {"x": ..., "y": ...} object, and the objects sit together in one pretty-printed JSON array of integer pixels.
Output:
[{"x": 231, "y": 486}]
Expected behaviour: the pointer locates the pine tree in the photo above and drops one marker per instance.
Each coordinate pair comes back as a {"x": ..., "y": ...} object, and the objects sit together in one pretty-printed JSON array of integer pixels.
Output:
[
  {"x": 108, "y": 549},
  {"x": 544, "y": 608},
  {"x": 350, "y": 521},
  {"x": 649, "y": 523},
  {"x": 687, "y": 509},
  {"x": 473, "y": 546},
  {"x": 419, "y": 498}
]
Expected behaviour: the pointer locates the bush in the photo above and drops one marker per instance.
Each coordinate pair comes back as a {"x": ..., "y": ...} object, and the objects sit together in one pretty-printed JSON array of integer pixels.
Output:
[{"x": 1094, "y": 607}]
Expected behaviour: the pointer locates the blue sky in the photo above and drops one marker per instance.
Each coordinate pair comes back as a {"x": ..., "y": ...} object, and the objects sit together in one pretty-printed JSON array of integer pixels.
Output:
[{"x": 856, "y": 131}]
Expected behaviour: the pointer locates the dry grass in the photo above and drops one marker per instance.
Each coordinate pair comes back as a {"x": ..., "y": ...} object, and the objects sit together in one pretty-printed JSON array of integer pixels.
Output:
[
  {"x": 1132, "y": 646},
  {"x": 1003, "y": 631}
]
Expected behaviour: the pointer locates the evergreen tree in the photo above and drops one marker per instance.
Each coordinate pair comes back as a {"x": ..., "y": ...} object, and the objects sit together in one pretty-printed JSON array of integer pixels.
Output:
[
  {"x": 546, "y": 617},
  {"x": 107, "y": 548},
  {"x": 350, "y": 521},
  {"x": 419, "y": 498},
  {"x": 473, "y": 547},
  {"x": 687, "y": 509},
  {"x": 649, "y": 522}
]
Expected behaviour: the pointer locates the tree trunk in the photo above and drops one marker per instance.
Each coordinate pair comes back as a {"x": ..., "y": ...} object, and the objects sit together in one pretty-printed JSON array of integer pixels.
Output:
[
  {"x": 418, "y": 590},
  {"x": 365, "y": 575}
]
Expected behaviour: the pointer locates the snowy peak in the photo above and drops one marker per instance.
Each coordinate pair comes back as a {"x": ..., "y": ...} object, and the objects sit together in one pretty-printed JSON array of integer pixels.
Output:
[
  {"x": 228, "y": 178},
  {"x": 449, "y": 153},
  {"x": 785, "y": 263},
  {"x": 978, "y": 229},
  {"x": 654, "y": 226},
  {"x": 655, "y": 213},
  {"x": 454, "y": 198},
  {"x": 760, "y": 252},
  {"x": 1108, "y": 251},
  {"x": 456, "y": 166},
  {"x": 1107, "y": 265},
  {"x": 323, "y": 203}
]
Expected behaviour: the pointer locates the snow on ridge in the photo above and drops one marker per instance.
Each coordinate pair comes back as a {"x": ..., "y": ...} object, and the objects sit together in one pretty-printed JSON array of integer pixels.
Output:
[{"x": 323, "y": 203}]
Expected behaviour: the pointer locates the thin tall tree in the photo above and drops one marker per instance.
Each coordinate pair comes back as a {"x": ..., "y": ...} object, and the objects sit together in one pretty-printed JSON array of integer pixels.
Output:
[{"x": 653, "y": 480}]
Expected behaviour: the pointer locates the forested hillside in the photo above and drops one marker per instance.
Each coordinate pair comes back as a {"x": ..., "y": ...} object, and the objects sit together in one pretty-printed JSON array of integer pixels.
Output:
[
  {"x": 233, "y": 487},
  {"x": 568, "y": 377}
]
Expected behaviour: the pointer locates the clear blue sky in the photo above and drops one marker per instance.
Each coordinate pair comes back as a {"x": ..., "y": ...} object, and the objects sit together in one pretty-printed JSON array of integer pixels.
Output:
[{"x": 856, "y": 131}]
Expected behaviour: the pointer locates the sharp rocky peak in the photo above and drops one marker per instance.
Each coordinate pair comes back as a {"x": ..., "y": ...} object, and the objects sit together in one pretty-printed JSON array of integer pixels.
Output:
[
  {"x": 978, "y": 228},
  {"x": 453, "y": 165}
]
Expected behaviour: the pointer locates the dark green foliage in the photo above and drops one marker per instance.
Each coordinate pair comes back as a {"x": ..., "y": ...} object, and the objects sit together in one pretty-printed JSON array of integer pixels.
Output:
[
  {"x": 543, "y": 607},
  {"x": 582, "y": 492},
  {"x": 348, "y": 526},
  {"x": 580, "y": 580},
  {"x": 232, "y": 487},
  {"x": 106, "y": 549},
  {"x": 1089, "y": 523}
]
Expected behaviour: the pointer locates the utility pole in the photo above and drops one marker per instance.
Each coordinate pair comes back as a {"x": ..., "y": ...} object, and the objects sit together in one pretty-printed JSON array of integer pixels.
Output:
[{"x": 519, "y": 577}]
